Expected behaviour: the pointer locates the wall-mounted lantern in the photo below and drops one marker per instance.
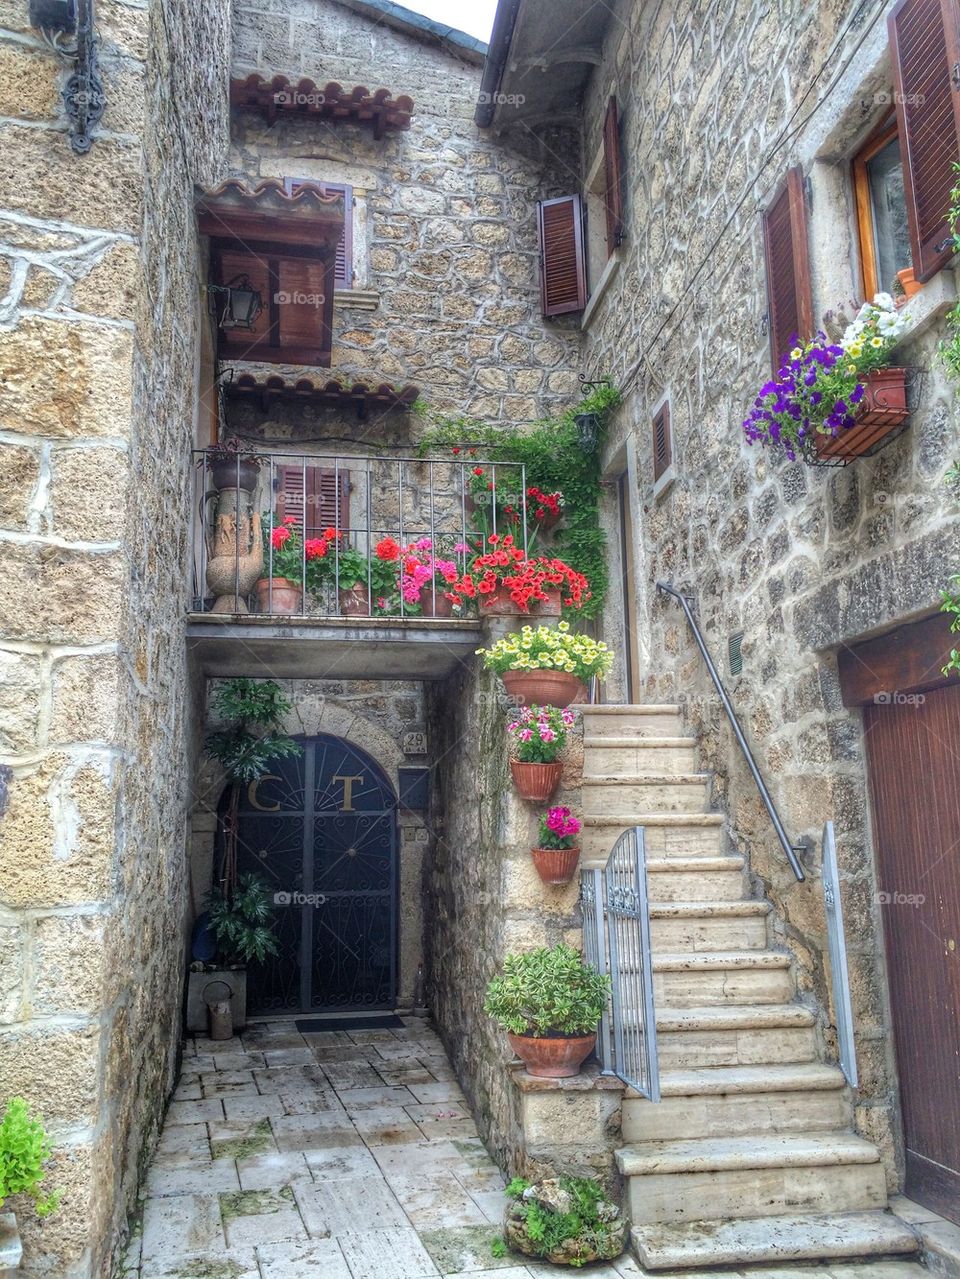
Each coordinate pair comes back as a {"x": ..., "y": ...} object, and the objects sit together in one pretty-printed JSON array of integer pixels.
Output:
[
  {"x": 83, "y": 94},
  {"x": 241, "y": 305}
]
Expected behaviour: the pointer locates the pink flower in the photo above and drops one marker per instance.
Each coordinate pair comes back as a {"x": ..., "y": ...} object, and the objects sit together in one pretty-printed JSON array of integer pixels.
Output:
[
  {"x": 526, "y": 734},
  {"x": 547, "y": 735}
]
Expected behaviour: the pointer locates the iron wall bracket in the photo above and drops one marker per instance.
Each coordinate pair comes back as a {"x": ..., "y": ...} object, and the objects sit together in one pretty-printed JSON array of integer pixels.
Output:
[{"x": 83, "y": 94}]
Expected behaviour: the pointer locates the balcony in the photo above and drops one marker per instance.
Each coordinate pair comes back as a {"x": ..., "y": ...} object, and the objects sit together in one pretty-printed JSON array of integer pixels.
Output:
[{"x": 338, "y": 566}]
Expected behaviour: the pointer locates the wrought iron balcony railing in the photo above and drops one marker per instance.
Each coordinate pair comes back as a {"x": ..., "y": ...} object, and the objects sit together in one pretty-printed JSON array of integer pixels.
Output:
[{"x": 328, "y": 535}]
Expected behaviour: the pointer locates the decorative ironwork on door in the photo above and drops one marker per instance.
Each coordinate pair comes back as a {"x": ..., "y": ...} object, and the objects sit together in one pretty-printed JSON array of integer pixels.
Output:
[
  {"x": 616, "y": 940},
  {"x": 322, "y": 830}
]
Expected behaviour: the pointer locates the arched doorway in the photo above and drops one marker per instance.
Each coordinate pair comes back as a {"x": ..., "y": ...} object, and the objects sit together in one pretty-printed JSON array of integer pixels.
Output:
[{"x": 322, "y": 830}]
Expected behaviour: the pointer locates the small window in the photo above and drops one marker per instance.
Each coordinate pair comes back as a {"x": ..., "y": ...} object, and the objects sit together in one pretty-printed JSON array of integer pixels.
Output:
[
  {"x": 662, "y": 442},
  {"x": 343, "y": 276},
  {"x": 604, "y": 198},
  {"x": 884, "y": 229}
]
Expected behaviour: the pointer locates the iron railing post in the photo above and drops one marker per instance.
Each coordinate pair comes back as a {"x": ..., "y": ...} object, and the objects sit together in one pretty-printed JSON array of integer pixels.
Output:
[{"x": 837, "y": 946}]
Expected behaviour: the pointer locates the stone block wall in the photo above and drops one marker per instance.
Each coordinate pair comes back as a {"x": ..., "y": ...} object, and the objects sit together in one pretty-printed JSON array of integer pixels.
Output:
[
  {"x": 445, "y": 239},
  {"x": 714, "y": 109},
  {"x": 97, "y": 345},
  {"x": 484, "y": 898}
]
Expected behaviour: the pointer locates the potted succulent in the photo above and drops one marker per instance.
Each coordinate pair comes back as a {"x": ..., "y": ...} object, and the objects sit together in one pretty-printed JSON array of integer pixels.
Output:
[
  {"x": 549, "y": 1001},
  {"x": 231, "y": 465},
  {"x": 24, "y": 1154},
  {"x": 547, "y": 665},
  {"x": 568, "y": 1221},
  {"x": 538, "y": 735},
  {"x": 834, "y": 401},
  {"x": 557, "y": 851},
  {"x": 503, "y": 579}
]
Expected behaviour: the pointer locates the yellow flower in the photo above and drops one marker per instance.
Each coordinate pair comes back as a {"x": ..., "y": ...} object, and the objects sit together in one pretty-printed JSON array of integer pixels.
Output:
[
  {"x": 796, "y": 353},
  {"x": 876, "y": 342}
]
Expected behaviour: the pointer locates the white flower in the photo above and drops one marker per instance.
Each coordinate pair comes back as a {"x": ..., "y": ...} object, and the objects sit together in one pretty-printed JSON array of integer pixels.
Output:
[{"x": 884, "y": 302}]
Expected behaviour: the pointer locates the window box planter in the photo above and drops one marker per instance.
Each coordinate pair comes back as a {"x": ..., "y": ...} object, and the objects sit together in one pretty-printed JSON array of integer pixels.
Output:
[
  {"x": 535, "y": 781},
  {"x": 555, "y": 865},
  {"x": 278, "y": 595},
  {"x": 544, "y": 688},
  {"x": 881, "y": 417},
  {"x": 549, "y": 1058}
]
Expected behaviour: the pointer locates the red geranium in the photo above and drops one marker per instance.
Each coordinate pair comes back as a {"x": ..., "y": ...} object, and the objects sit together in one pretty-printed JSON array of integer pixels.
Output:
[
  {"x": 526, "y": 580},
  {"x": 315, "y": 548},
  {"x": 279, "y": 536},
  {"x": 388, "y": 549}
]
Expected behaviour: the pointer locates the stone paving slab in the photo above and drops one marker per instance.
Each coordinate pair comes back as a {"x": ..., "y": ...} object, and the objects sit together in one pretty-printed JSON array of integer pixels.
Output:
[{"x": 344, "y": 1155}]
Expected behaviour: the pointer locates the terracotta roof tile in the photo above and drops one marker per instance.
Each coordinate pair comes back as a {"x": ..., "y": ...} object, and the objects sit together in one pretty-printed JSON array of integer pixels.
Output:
[
  {"x": 333, "y": 392},
  {"x": 329, "y": 102}
]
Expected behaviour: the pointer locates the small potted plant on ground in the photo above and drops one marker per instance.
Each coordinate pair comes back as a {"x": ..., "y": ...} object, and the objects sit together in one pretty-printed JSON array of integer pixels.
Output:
[
  {"x": 557, "y": 851},
  {"x": 24, "y": 1153},
  {"x": 549, "y": 1001},
  {"x": 538, "y": 735},
  {"x": 547, "y": 665},
  {"x": 568, "y": 1221},
  {"x": 832, "y": 402}
]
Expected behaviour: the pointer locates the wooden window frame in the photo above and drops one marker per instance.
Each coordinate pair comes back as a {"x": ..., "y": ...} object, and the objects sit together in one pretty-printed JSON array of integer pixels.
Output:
[{"x": 882, "y": 136}]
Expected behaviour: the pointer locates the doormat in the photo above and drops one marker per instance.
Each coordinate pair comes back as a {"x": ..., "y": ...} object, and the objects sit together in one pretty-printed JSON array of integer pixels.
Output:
[{"x": 319, "y": 1025}]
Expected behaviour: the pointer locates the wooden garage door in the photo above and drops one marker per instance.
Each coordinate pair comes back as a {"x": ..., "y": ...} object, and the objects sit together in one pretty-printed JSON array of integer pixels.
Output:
[{"x": 913, "y": 744}]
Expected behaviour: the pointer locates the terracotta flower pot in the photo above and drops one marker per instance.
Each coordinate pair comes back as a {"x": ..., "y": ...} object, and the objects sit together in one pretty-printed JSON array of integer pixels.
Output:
[
  {"x": 552, "y": 1058},
  {"x": 354, "y": 601},
  {"x": 499, "y": 604},
  {"x": 535, "y": 781},
  {"x": 881, "y": 414},
  {"x": 555, "y": 865},
  {"x": 226, "y": 473},
  {"x": 439, "y": 607},
  {"x": 543, "y": 688},
  {"x": 278, "y": 595},
  {"x": 911, "y": 285},
  {"x": 552, "y": 606}
]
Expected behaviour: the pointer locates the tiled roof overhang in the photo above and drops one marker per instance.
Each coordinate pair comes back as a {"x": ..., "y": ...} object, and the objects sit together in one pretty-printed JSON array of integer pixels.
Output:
[
  {"x": 363, "y": 396},
  {"x": 327, "y": 102},
  {"x": 237, "y": 210}
]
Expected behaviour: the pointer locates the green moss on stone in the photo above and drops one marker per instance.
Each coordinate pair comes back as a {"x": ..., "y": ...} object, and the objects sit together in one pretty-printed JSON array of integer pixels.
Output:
[
  {"x": 256, "y": 1141},
  {"x": 253, "y": 1203}
]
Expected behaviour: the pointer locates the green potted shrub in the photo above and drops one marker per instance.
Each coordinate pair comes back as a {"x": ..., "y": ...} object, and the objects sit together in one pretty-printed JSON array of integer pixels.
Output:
[
  {"x": 239, "y": 913},
  {"x": 568, "y": 1221},
  {"x": 24, "y": 1154},
  {"x": 549, "y": 1002}
]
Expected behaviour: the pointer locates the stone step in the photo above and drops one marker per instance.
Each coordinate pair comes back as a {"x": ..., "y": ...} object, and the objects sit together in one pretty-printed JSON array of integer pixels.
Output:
[
  {"x": 724, "y": 977},
  {"x": 821, "y": 1237},
  {"x": 709, "y": 926},
  {"x": 665, "y": 834},
  {"x": 733, "y": 1101},
  {"x": 654, "y": 793},
  {"x": 687, "y": 879},
  {"x": 639, "y": 755},
  {"x": 735, "y": 1035},
  {"x": 624, "y": 721},
  {"x": 751, "y": 1176}
]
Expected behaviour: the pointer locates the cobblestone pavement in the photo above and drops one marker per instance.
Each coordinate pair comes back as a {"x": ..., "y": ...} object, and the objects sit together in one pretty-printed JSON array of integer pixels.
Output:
[{"x": 331, "y": 1156}]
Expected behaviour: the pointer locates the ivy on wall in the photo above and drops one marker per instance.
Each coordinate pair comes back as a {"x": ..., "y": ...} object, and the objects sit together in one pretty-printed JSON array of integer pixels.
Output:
[{"x": 554, "y": 459}]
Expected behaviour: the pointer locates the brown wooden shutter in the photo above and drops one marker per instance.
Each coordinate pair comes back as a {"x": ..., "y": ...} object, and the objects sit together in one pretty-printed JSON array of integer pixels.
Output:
[
  {"x": 327, "y": 491},
  {"x": 788, "y": 267},
  {"x": 925, "y": 49},
  {"x": 563, "y": 277},
  {"x": 343, "y": 270},
  {"x": 614, "y": 176},
  {"x": 662, "y": 440}
]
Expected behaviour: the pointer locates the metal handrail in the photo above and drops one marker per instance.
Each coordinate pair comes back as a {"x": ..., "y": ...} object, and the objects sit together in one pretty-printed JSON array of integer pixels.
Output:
[{"x": 791, "y": 850}]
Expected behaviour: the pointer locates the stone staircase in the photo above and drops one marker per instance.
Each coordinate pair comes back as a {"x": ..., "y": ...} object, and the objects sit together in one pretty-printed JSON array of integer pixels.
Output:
[{"x": 750, "y": 1158}]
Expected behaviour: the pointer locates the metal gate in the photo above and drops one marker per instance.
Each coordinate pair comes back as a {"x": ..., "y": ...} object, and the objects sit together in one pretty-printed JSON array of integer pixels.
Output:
[
  {"x": 321, "y": 829},
  {"x": 616, "y": 940}
]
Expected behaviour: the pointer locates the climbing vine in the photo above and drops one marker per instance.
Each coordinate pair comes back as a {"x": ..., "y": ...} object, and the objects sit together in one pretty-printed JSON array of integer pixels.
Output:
[{"x": 554, "y": 459}]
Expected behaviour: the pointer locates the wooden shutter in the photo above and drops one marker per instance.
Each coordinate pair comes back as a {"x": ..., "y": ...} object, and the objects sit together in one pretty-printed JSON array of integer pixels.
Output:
[
  {"x": 613, "y": 166},
  {"x": 563, "y": 277},
  {"x": 343, "y": 270},
  {"x": 662, "y": 441},
  {"x": 327, "y": 491},
  {"x": 925, "y": 49},
  {"x": 295, "y": 325},
  {"x": 789, "y": 301}
]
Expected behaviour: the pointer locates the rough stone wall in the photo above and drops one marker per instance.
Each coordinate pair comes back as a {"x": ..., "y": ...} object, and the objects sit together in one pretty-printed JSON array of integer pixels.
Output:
[
  {"x": 380, "y": 717},
  {"x": 484, "y": 897},
  {"x": 715, "y": 109},
  {"x": 97, "y": 340},
  {"x": 445, "y": 221}
]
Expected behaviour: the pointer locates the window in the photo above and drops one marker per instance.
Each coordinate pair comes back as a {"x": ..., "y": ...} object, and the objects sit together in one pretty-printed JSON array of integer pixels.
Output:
[
  {"x": 662, "y": 441},
  {"x": 325, "y": 490},
  {"x": 881, "y": 210},
  {"x": 789, "y": 300},
  {"x": 343, "y": 275},
  {"x": 563, "y": 283}
]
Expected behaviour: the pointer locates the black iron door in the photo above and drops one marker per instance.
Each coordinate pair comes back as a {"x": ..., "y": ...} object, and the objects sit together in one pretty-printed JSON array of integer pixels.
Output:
[{"x": 322, "y": 830}]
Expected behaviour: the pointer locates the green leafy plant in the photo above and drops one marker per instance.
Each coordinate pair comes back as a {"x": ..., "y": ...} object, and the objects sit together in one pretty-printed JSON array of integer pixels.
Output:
[
  {"x": 24, "y": 1152},
  {"x": 584, "y": 1228},
  {"x": 555, "y": 461},
  {"x": 498, "y": 1248},
  {"x": 547, "y": 993},
  {"x": 243, "y": 923},
  {"x": 950, "y": 347},
  {"x": 247, "y": 747}
]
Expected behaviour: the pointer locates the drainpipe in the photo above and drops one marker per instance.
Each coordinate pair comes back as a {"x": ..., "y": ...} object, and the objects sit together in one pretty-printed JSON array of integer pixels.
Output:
[{"x": 500, "y": 40}]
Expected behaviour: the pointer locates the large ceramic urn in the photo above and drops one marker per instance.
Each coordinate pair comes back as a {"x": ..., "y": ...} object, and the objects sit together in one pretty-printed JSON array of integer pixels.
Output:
[{"x": 234, "y": 550}]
